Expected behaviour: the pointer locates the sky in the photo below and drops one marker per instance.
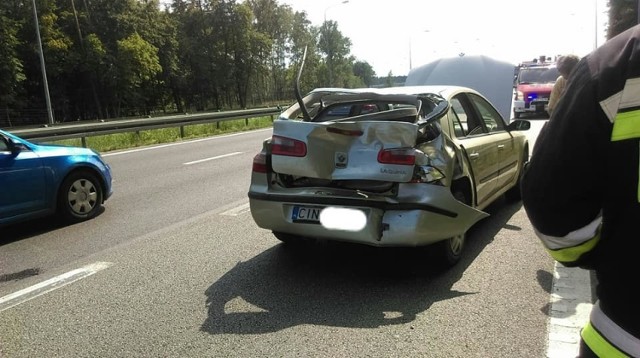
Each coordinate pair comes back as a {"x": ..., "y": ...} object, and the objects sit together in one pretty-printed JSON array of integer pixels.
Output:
[{"x": 394, "y": 36}]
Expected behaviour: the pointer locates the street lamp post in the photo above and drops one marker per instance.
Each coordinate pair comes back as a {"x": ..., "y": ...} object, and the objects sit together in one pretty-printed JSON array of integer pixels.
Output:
[
  {"x": 44, "y": 71},
  {"x": 329, "y": 53}
]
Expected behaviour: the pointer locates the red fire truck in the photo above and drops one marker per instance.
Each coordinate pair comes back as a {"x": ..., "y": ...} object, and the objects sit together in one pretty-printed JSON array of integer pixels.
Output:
[{"x": 533, "y": 84}]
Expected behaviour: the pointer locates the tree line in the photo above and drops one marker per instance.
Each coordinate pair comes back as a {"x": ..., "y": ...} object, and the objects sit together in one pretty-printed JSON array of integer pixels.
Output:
[{"x": 117, "y": 58}]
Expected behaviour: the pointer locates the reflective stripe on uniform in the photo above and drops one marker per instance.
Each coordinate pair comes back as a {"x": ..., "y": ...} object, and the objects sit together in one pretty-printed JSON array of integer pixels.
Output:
[
  {"x": 626, "y": 125},
  {"x": 628, "y": 98},
  {"x": 607, "y": 339},
  {"x": 570, "y": 247},
  {"x": 623, "y": 110},
  {"x": 573, "y": 254}
]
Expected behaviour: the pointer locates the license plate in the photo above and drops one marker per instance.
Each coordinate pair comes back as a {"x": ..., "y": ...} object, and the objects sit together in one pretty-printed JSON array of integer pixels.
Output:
[{"x": 306, "y": 214}]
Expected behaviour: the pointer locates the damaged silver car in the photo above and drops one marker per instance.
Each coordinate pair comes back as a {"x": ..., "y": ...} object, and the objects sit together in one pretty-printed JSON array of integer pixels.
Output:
[{"x": 392, "y": 167}]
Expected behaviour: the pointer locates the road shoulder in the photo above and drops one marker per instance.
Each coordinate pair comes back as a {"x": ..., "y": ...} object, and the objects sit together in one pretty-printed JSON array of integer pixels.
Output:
[{"x": 571, "y": 302}]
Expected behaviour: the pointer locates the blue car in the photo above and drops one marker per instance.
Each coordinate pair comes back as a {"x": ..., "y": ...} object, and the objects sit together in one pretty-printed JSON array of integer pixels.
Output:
[{"x": 38, "y": 180}]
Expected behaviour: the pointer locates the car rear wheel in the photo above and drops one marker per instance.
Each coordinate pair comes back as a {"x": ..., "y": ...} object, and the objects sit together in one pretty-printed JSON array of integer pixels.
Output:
[
  {"x": 448, "y": 252},
  {"x": 80, "y": 196}
]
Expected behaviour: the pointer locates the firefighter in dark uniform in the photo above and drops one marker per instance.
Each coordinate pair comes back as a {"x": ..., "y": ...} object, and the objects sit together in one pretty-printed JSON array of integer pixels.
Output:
[{"x": 581, "y": 190}]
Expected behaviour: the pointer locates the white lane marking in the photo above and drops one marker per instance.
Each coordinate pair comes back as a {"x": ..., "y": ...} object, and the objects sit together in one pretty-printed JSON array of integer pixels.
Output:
[
  {"x": 238, "y": 210},
  {"x": 571, "y": 304},
  {"x": 55, "y": 283},
  {"x": 185, "y": 142},
  {"x": 212, "y": 158}
]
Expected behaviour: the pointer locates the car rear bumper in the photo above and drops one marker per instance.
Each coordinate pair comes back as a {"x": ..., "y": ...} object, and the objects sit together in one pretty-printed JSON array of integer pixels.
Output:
[
  {"x": 533, "y": 107},
  {"x": 389, "y": 223}
]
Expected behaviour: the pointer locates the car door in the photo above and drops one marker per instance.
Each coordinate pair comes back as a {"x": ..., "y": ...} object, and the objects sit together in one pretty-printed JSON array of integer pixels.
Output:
[
  {"x": 22, "y": 180},
  {"x": 472, "y": 138},
  {"x": 498, "y": 137}
]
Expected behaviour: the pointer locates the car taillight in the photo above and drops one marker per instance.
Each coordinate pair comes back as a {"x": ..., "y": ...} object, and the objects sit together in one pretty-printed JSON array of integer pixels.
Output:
[
  {"x": 288, "y": 146},
  {"x": 260, "y": 163},
  {"x": 400, "y": 156}
]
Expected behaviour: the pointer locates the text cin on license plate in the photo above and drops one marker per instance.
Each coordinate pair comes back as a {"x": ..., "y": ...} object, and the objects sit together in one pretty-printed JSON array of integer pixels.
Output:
[{"x": 306, "y": 214}]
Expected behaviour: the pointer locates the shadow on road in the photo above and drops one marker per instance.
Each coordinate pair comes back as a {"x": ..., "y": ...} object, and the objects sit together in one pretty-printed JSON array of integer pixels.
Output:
[
  {"x": 339, "y": 285},
  {"x": 34, "y": 227}
]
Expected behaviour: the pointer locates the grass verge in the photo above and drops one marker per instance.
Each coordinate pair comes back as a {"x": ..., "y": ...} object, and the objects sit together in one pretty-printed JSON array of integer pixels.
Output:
[{"x": 110, "y": 142}]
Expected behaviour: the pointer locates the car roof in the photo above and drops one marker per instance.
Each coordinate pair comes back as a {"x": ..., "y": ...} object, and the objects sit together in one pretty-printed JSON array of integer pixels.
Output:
[{"x": 445, "y": 91}]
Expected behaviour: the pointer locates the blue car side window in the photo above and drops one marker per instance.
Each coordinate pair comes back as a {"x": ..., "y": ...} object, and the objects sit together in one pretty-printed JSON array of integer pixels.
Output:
[{"x": 4, "y": 144}]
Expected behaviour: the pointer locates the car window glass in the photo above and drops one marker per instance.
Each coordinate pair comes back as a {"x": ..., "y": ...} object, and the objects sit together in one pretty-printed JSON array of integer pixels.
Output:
[
  {"x": 468, "y": 119},
  {"x": 336, "y": 112},
  {"x": 4, "y": 146},
  {"x": 491, "y": 118},
  {"x": 459, "y": 118},
  {"x": 538, "y": 75},
  {"x": 340, "y": 111}
]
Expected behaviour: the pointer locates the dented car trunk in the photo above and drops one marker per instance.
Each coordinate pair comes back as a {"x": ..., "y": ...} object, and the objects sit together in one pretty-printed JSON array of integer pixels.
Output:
[{"x": 361, "y": 149}]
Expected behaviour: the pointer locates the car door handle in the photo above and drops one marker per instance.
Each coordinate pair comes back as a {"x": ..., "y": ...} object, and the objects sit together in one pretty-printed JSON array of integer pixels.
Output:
[
  {"x": 474, "y": 155},
  {"x": 500, "y": 146}
]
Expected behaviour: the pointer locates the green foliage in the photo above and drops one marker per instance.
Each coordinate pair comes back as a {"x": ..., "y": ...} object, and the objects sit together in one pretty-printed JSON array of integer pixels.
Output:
[
  {"x": 116, "y": 58},
  {"x": 119, "y": 58},
  {"x": 389, "y": 81},
  {"x": 138, "y": 60},
  {"x": 365, "y": 72},
  {"x": 623, "y": 14},
  {"x": 335, "y": 49},
  {"x": 11, "y": 68}
]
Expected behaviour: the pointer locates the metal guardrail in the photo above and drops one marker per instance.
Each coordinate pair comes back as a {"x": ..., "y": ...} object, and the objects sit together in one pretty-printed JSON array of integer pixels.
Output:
[{"x": 102, "y": 127}]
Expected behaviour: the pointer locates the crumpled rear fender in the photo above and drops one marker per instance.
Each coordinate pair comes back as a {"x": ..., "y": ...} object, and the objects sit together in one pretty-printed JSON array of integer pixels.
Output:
[{"x": 454, "y": 217}]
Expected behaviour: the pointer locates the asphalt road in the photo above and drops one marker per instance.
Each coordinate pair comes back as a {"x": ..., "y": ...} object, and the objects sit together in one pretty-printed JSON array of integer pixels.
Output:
[{"x": 175, "y": 266}]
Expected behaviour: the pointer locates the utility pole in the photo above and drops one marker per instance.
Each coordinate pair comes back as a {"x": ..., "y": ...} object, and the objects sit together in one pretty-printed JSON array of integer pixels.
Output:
[{"x": 44, "y": 71}]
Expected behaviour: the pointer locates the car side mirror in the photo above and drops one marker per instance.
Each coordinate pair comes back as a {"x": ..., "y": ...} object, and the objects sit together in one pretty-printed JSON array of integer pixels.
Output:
[
  {"x": 7, "y": 145},
  {"x": 519, "y": 125}
]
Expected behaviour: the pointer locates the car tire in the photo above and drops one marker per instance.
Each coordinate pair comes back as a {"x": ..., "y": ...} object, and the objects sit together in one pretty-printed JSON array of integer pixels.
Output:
[
  {"x": 80, "y": 196},
  {"x": 290, "y": 239},
  {"x": 517, "y": 115},
  {"x": 447, "y": 253}
]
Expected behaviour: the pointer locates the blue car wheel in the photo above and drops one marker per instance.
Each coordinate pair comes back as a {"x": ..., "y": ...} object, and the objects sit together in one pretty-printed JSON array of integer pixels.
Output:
[{"x": 80, "y": 196}]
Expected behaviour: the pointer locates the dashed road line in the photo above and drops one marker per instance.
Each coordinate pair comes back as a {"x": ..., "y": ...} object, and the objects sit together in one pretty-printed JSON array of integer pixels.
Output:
[
  {"x": 212, "y": 158},
  {"x": 55, "y": 283},
  {"x": 238, "y": 210}
]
